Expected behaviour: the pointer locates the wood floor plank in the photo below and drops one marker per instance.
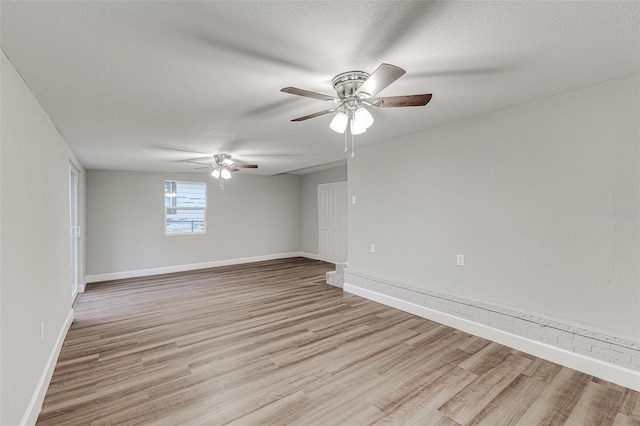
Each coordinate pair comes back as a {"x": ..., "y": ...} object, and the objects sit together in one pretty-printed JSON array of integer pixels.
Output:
[
  {"x": 555, "y": 405},
  {"x": 511, "y": 403},
  {"x": 630, "y": 404},
  {"x": 277, "y": 412},
  {"x": 486, "y": 358},
  {"x": 424, "y": 393},
  {"x": 470, "y": 401},
  {"x": 598, "y": 405},
  {"x": 624, "y": 420},
  {"x": 271, "y": 343}
]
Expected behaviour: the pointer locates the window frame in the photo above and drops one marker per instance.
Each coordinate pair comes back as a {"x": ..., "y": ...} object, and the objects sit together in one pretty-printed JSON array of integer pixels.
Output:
[{"x": 203, "y": 209}]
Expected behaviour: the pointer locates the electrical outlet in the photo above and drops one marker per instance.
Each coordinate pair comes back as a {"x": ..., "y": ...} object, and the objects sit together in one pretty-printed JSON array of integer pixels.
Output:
[
  {"x": 460, "y": 260},
  {"x": 373, "y": 248},
  {"x": 41, "y": 331},
  {"x": 353, "y": 199}
]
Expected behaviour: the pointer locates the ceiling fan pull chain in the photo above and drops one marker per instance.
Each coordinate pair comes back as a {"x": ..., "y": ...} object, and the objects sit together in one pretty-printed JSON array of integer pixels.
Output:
[
  {"x": 346, "y": 143},
  {"x": 353, "y": 149}
]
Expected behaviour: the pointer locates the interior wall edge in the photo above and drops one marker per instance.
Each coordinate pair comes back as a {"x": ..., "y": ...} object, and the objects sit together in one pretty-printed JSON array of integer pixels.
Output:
[
  {"x": 94, "y": 278},
  {"x": 35, "y": 404},
  {"x": 596, "y": 354},
  {"x": 313, "y": 256}
]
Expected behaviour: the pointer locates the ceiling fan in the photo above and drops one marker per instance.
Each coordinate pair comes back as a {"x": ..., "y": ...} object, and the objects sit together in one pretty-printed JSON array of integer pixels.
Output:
[
  {"x": 357, "y": 90},
  {"x": 222, "y": 165}
]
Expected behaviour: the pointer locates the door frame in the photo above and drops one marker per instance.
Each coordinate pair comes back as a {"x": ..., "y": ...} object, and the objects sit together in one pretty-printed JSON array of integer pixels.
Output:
[{"x": 74, "y": 228}]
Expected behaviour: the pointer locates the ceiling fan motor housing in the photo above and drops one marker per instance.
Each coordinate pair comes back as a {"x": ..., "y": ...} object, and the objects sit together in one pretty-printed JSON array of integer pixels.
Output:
[
  {"x": 347, "y": 83},
  {"x": 221, "y": 157}
]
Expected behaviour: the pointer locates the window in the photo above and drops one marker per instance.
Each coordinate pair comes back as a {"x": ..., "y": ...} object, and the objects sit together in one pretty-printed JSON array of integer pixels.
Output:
[{"x": 185, "y": 207}]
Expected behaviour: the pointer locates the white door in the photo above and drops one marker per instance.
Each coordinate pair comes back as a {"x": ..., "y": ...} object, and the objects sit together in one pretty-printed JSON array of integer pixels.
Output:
[
  {"x": 74, "y": 230},
  {"x": 332, "y": 214}
]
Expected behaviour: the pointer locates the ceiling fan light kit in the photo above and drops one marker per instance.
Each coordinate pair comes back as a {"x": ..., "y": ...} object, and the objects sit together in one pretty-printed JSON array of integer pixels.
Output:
[
  {"x": 355, "y": 91},
  {"x": 357, "y": 128},
  {"x": 221, "y": 172},
  {"x": 225, "y": 173},
  {"x": 361, "y": 121},
  {"x": 339, "y": 122}
]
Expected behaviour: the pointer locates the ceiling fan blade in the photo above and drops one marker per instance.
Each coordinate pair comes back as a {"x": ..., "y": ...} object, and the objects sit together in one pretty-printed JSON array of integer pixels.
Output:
[
  {"x": 382, "y": 77},
  {"x": 315, "y": 114},
  {"x": 402, "y": 101},
  {"x": 308, "y": 94},
  {"x": 246, "y": 166},
  {"x": 199, "y": 168},
  {"x": 198, "y": 162},
  {"x": 173, "y": 149},
  {"x": 209, "y": 158}
]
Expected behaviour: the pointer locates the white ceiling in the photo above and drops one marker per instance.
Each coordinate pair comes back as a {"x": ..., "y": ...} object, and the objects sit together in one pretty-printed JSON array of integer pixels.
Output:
[{"x": 143, "y": 85}]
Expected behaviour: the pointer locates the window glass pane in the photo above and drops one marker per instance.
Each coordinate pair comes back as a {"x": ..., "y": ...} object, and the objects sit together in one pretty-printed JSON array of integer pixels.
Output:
[
  {"x": 191, "y": 194},
  {"x": 180, "y": 221},
  {"x": 169, "y": 193},
  {"x": 185, "y": 206}
]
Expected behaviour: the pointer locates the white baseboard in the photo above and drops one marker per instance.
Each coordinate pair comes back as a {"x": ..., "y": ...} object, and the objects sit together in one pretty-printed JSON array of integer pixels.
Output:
[
  {"x": 35, "y": 405},
  {"x": 613, "y": 373},
  {"x": 315, "y": 256},
  {"x": 93, "y": 278}
]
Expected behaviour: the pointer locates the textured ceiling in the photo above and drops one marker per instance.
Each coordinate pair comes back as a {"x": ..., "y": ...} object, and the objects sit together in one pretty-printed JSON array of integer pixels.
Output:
[{"x": 145, "y": 85}]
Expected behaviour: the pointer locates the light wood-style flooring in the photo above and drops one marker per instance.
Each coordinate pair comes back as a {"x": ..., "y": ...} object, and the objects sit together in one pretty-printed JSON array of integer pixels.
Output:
[{"x": 272, "y": 343}]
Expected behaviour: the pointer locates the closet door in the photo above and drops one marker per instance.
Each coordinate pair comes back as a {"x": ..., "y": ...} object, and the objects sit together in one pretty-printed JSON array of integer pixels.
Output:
[{"x": 332, "y": 214}]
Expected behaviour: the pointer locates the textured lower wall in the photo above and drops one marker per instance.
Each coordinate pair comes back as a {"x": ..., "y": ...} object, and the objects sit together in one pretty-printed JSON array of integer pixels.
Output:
[
  {"x": 619, "y": 350},
  {"x": 336, "y": 278}
]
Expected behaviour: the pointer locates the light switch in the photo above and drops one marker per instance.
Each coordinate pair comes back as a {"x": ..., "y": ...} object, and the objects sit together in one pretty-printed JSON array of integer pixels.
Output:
[
  {"x": 460, "y": 260},
  {"x": 353, "y": 199},
  {"x": 373, "y": 248}
]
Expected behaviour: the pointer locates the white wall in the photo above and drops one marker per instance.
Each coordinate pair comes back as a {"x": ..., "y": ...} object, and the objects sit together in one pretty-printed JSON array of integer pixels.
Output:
[
  {"x": 252, "y": 216},
  {"x": 542, "y": 199},
  {"x": 309, "y": 193},
  {"x": 2, "y": 59},
  {"x": 35, "y": 274},
  {"x": 1, "y": 72}
]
